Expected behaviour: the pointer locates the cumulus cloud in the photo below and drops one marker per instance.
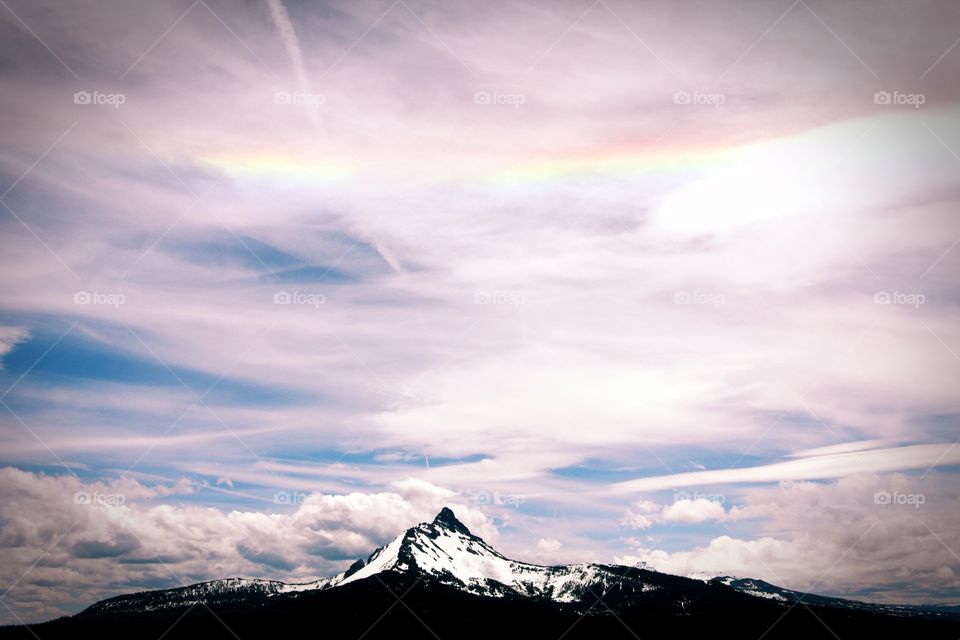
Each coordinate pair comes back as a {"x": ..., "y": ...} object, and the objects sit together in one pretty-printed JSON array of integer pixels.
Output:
[
  {"x": 90, "y": 540},
  {"x": 867, "y": 536},
  {"x": 645, "y": 513},
  {"x": 549, "y": 545},
  {"x": 693, "y": 511}
]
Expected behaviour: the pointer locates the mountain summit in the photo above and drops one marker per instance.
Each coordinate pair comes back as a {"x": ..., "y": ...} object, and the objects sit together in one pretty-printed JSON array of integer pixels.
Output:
[
  {"x": 442, "y": 551},
  {"x": 446, "y": 518},
  {"x": 445, "y": 551}
]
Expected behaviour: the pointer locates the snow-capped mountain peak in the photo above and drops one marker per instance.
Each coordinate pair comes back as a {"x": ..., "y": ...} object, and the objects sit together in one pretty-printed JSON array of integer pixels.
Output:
[
  {"x": 442, "y": 557},
  {"x": 444, "y": 554},
  {"x": 445, "y": 551},
  {"x": 442, "y": 549}
]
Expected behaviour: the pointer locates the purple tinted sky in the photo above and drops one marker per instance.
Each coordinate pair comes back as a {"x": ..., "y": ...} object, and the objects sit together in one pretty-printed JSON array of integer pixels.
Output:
[{"x": 651, "y": 281}]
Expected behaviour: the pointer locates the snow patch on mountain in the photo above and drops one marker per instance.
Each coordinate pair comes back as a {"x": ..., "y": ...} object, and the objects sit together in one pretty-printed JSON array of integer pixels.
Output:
[{"x": 444, "y": 550}]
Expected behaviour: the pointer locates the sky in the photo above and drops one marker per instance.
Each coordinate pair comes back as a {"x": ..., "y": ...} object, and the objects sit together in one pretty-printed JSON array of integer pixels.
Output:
[{"x": 659, "y": 282}]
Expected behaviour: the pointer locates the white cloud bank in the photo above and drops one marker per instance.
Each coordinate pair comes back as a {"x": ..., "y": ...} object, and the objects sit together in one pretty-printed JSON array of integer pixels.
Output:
[
  {"x": 65, "y": 543},
  {"x": 866, "y": 536}
]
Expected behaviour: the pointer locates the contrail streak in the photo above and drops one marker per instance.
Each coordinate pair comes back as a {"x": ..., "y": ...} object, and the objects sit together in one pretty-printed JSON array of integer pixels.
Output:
[{"x": 281, "y": 20}]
